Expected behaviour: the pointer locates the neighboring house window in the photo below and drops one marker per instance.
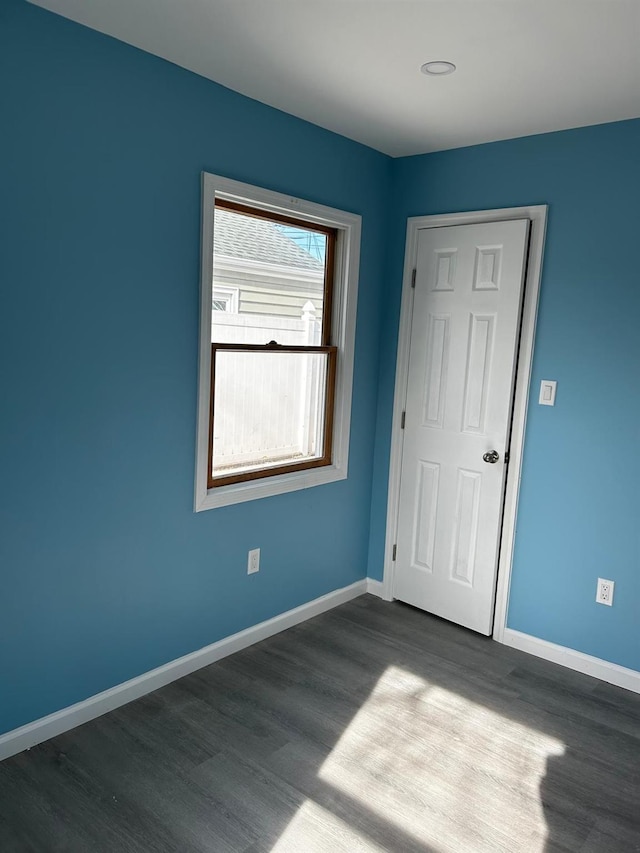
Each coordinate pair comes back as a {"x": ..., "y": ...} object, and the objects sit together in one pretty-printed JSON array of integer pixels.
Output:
[
  {"x": 276, "y": 357},
  {"x": 225, "y": 299}
]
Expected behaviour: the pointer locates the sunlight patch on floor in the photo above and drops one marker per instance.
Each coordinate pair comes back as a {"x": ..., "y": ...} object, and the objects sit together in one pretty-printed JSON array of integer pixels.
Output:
[
  {"x": 315, "y": 829},
  {"x": 442, "y": 769}
]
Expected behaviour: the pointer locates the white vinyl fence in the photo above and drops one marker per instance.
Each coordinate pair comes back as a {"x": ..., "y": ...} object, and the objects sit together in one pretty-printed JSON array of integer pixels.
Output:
[{"x": 268, "y": 407}]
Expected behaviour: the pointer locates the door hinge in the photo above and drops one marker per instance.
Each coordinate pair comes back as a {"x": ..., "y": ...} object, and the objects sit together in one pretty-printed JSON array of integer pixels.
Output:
[
  {"x": 395, "y": 549},
  {"x": 402, "y": 420},
  {"x": 413, "y": 279},
  {"x": 507, "y": 456}
]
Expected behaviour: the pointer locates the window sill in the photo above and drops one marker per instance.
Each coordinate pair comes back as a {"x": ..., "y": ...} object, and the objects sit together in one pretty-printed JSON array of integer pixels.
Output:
[{"x": 268, "y": 486}]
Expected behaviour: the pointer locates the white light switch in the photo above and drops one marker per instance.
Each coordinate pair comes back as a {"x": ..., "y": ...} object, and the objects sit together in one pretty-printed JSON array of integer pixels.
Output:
[{"x": 548, "y": 392}]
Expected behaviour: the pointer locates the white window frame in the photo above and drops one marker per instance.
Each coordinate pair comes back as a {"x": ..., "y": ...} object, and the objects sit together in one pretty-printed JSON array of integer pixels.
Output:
[{"x": 345, "y": 293}]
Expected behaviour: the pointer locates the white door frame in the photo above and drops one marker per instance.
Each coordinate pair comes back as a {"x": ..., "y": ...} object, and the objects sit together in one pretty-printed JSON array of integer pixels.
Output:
[{"x": 537, "y": 214}]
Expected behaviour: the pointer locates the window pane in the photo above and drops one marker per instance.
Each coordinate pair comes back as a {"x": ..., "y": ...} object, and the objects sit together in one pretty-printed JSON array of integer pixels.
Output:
[
  {"x": 278, "y": 271},
  {"x": 268, "y": 409}
]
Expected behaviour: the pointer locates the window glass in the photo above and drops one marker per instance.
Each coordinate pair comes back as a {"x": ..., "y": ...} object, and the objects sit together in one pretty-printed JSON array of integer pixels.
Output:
[
  {"x": 278, "y": 272},
  {"x": 269, "y": 409}
]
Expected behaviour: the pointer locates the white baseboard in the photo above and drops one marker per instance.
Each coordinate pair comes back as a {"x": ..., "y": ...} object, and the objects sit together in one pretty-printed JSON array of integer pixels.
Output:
[
  {"x": 68, "y": 718},
  {"x": 376, "y": 588},
  {"x": 598, "y": 668}
]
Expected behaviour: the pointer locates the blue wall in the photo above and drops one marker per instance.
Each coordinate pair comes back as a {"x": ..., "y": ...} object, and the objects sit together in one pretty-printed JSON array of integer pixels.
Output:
[
  {"x": 106, "y": 571},
  {"x": 578, "y": 513}
]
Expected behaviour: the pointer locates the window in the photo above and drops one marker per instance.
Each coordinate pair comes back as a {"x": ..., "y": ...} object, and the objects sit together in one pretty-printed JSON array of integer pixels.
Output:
[
  {"x": 272, "y": 366},
  {"x": 279, "y": 278},
  {"x": 225, "y": 299}
]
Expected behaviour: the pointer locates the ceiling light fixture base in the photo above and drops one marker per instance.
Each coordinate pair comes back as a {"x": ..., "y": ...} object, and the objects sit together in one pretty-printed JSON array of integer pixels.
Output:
[{"x": 438, "y": 68}]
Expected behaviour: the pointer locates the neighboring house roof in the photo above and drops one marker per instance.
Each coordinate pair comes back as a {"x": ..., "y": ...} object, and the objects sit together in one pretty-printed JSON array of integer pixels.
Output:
[{"x": 238, "y": 236}]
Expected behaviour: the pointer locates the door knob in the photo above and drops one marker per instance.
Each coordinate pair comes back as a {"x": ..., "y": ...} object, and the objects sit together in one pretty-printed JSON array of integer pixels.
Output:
[{"x": 491, "y": 456}]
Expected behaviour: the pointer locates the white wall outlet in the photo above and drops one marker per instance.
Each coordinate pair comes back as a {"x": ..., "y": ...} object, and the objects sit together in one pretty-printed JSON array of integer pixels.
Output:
[
  {"x": 604, "y": 594},
  {"x": 253, "y": 563}
]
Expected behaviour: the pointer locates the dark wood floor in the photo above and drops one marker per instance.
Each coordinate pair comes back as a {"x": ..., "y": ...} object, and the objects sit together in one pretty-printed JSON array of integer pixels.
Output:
[{"x": 373, "y": 727}]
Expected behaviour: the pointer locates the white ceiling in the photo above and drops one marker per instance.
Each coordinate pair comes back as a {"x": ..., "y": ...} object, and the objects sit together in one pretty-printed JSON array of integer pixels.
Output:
[{"x": 352, "y": 66}]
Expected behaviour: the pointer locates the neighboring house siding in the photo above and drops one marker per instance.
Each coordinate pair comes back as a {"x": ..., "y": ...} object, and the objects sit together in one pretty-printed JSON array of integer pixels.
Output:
[
  {"x": 261, "y": 301},
  {"x": 275, "y": 297},
  {"x": 272, "y": 274}
]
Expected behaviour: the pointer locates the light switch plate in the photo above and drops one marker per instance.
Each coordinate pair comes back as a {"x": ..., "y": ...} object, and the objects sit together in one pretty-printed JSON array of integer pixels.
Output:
[{"x": 548, "y": 392}]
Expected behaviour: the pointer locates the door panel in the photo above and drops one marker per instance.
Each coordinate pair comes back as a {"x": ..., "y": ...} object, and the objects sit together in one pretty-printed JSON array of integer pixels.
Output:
[{"x": 464, "y": 334}]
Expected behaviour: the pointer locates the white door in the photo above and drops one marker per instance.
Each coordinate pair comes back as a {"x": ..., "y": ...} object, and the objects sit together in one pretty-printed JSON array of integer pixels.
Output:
[{"x": 464, "y": 333}]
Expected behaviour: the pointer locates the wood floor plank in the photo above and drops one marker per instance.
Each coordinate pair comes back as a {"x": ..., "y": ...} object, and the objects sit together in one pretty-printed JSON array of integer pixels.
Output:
[
  {"x": 373, "y": 727},
  {"x": 612, "y": 837}
]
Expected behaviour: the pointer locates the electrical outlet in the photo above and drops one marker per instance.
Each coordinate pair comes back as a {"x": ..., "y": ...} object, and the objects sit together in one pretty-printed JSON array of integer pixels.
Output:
[
  {"x": 253, "y": 563},
  {"x": 604, "y": 594}
]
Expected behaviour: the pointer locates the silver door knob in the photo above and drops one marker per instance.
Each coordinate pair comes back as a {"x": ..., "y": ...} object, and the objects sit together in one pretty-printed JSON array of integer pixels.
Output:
[{"x": 491, "y": 456}]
